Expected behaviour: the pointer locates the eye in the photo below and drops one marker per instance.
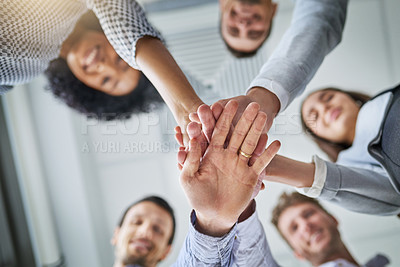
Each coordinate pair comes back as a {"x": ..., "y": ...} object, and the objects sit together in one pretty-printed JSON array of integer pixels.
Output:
[
  {"x": 327, "y": 98},
  {"x": 233, "y": 31},
  {"x": 105, "y": 80},
  {"x": 293, "y": 228},
  {"x": 157, "y": 229},
  {"x": 136, "y": 222},
  {"x": 309, "y": 213},
  {"x": 233, "y": 13},
  {"x": 256, "y": 17}
]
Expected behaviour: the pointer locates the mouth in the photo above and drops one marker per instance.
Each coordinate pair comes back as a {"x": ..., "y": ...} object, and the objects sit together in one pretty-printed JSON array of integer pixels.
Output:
[
  {"x": 316, "y": 237},
  {"x": 142, "y": 245},
  {"x": 91, "y": 57},
  {"x": 335, "y": 113}
]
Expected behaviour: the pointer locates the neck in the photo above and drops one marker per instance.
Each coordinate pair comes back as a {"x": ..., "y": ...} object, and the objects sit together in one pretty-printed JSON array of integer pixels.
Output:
[
  {"x": 70, "y": 41},
  {"x": 340, "y": 253}
]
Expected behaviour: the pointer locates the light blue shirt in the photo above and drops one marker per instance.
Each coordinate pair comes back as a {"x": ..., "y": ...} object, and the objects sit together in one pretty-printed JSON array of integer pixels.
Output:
[{"x": 245, "y": 245}]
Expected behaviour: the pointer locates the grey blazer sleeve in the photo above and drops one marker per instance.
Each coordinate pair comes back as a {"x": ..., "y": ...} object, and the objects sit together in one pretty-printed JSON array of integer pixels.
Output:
[
  {"x": 360, "y": 190},
  {"x": 316, "y": 29}
]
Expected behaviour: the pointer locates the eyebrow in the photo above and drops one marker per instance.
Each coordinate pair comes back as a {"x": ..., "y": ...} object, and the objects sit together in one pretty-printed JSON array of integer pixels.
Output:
[{"x": 253, "y": 35}]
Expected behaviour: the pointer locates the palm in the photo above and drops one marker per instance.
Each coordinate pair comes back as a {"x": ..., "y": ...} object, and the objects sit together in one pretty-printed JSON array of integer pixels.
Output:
[{"x": 220, "y": 186}]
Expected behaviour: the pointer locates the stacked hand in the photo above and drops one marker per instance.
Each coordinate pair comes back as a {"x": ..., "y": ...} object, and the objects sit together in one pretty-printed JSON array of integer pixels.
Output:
[{"x": 219, "y": 179}]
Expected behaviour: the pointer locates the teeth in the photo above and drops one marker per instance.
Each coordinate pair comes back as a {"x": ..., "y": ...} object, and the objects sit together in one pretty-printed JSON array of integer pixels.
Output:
[{"x": 91, "y": 57}]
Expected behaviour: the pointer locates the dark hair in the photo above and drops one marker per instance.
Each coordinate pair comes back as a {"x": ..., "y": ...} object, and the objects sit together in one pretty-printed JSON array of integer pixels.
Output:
[
  {"x": 242, "y": 54},
  {"x": 93, "y": 103},
  {"x": 159, "y": 202},
  {"x": 96, "y": 104},
  {"x": 288, "y": 200},
  {"x": 332, "y": 149}
]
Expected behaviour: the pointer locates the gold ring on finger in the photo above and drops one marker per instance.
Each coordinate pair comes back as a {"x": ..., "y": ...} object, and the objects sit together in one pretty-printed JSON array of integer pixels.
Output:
[{"x": 244, "y": 154}]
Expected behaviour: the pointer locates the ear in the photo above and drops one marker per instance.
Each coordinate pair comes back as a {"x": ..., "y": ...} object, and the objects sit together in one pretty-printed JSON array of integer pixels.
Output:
[
  {"x": 274, "y": 8},
  {"x": 335, "y": 221},
  {"x": 298, "y": 255},
  {"x": 114, "y": 238},
  {"x": 166, "y": 252}
]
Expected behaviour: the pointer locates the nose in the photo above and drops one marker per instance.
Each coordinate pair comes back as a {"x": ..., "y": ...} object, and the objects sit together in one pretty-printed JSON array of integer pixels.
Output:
[
  {"x": 244, "y": 22},
  {"x": 105, "y": 67},
  {"x": 305, "y": 228},
  {"x": 145, "y": 231}
]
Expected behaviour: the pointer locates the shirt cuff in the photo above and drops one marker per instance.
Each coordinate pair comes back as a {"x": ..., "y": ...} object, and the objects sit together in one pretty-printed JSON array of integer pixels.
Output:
[
  {"x": 273, "y": 87},
  {"x": 209, "y": 249},
  {"x": 247, "y": 228},
  {"x": 319, "y": 179}
]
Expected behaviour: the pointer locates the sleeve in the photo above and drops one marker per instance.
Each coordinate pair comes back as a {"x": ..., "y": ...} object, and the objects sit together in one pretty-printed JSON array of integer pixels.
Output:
[
  {"x": 202, "y": 250},
  {"x": 251, "y": 246},
  {"x": 124, "y": 22},
  {"x": 359, "y": 190},
  {"x": 245, "y": 245},
  {"x": 315, "y": 30}
]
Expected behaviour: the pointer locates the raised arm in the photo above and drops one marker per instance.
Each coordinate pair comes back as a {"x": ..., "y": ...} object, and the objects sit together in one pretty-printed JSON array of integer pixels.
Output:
[
  {"x": 316, "y": 29},
  {"x": 220, "y": 186},
  {"x": 125, "y": 24}
]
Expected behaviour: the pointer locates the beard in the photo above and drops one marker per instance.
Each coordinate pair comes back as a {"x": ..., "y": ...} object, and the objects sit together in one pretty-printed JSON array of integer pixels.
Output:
[
  {"x": 330, "y": 249},
  {"x": 131, "y": 260}
]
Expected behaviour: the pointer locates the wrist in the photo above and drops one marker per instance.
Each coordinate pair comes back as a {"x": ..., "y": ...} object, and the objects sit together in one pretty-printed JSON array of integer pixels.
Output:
[
  {"x": 251, "y": 208},
  {"x": 213, "y": 227},
  {"x": 269, "y": 102}
]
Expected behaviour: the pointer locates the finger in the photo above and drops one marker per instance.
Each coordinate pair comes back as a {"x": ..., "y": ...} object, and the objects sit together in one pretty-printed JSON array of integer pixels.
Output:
[
  {"x": 194, "y": 132},
  {"x": 179, "y": 136},
  {"x": 250, "y": 142},
  {"x": 194, "y": 117},
  {"x": 242, "y": 128},
  {"x": 260, "y": 148},
  {"x": 192, "y": 161},
  {"x": 217, "y": 109},
  {"x": 181, "y": 156},
  {"x": 223, "y": 124},
  {"x": 207, "y": 120},
  {"x": 266, "y": 157}
]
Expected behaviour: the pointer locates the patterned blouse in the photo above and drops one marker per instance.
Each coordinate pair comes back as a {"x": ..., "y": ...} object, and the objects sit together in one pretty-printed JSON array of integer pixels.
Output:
[{"x": 32, "y": 32}]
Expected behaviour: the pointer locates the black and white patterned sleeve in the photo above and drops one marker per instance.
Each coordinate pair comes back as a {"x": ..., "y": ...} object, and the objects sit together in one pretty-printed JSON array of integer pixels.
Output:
[{"x": 124, "y": 22}]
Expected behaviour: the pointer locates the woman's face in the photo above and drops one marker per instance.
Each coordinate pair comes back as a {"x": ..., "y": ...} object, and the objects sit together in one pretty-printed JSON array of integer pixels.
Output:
[
  {"x": 94, "y": 62},
  {"x": 331, "y": 115}
]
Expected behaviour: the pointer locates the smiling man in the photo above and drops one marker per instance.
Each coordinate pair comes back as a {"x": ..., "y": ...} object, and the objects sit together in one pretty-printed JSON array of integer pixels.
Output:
[
  {"x": 312, "y": 233},
  {"x": 145, "y": 233},
  {"x": 246, "y": 24}
]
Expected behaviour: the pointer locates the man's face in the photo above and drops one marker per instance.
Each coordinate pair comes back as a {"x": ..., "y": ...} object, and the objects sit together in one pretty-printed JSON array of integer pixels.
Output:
[
  {"x": 310, "y": 231},
  {"x": 245, "y": 23},
  {"x": 143, "y": 237}
]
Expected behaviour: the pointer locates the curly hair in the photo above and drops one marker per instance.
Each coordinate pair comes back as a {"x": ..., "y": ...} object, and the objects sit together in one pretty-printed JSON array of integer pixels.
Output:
[
  {"x": 96, "y": 104},
  {"x": 93, "y": 103}
]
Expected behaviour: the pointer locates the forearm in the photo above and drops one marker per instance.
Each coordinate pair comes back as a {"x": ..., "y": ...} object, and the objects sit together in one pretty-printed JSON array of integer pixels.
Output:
[
  {"x": 290, "y": 172},
  {"x": 161, "y": 69},
  {"x": 315, "y": 30}
]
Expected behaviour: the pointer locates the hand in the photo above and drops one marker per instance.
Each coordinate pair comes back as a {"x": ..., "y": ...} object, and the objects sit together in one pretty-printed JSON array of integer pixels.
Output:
[{"x": 220, "y": 186}]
